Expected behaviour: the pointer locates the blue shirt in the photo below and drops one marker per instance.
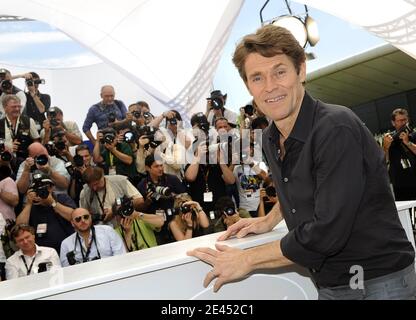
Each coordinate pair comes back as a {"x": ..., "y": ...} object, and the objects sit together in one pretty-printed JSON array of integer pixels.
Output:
[
  {"x": 98, "y": 114},
  {"x": 107, "y": 243}
]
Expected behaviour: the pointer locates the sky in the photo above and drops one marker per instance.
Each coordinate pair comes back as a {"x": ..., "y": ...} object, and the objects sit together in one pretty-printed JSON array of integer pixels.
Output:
[{"x": 35, "y": 43}]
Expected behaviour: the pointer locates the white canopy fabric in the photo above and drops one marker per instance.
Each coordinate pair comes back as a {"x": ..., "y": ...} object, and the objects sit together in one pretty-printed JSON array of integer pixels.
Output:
[
  {"x": 392, "y": 20},
  {"x": 170, "y": 49}
]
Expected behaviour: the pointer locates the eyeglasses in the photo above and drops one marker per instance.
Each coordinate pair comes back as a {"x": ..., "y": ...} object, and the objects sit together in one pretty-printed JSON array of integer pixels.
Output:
[{"x": 86, "y": 217}]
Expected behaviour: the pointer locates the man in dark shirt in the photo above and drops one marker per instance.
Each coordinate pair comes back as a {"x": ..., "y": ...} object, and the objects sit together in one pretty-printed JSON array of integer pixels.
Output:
[
  {"x": 400, "y": 153},
  {"x": 331, "y": 182}
]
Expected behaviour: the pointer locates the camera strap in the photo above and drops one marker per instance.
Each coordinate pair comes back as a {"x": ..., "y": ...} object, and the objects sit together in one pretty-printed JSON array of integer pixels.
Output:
[
  {"x": 101, "y": 202},
  {"x": 206, "y": 174},
  {"x": 13, "y": 133},
  {"x": 85, "y": 256},
  {"x": 31, "y": 265}
]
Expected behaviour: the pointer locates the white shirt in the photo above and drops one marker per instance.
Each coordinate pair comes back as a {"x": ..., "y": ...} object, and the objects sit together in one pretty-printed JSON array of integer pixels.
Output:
[
  {"x": 2, "y": 227},
  {"x": 16, "y": 268},
  {"x": 228, "y": 114},
  {"x": 107, "y": 243},
  {"x": 70, "y": 127},
  {"x": 246, "y": 178}
]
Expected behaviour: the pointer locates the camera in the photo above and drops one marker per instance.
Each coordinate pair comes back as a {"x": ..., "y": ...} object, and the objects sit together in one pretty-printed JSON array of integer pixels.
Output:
[
  {"x": 40, "y": 185},
  {"x": 6, "y": 85},
  {"x": 124, "y": 206},
  {"x": 108, "y": 136},
  {"x": 71, "y": 258},
  {"x": 52, "y": 112},
  {"x": 4, "y": 154},
  {"x": 60, "y": 144},
  {"x": 44, "y": 266},
  {"x": 25, "y": 140},
  {"x": 217, "y": 100},
  {"x": 78, "y": 160},
  {"x": 396, "y": 134},
  {"x": 158, "y": 191},
  {"x": 129, "y": 136},
  {"x": 229, "y": 211},
  {"x": 32, "y": 82},
  {"x": 184, "y": 209},
  {"x": 50, "y": 147},
  {"x": 249, "y": 109},
  {"x": 147, "y": 115},
  {"x": 148, "y": 132},
  {"x": 137, "y": 114},
  {"x": 173, "y": 121},
  {"x": 201, "y": 121},
  {"x": 42, "y": 159},
  {"x": 111, "y": 117},
  {"x": 97, "y": 217},
  {"x": 271, "y": 191}
]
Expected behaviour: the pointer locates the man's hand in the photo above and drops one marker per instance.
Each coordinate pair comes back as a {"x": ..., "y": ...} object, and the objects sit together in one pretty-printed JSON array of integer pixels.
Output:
[
  {"x": 387, "y": 140},
  {"x": 111, "y": 146},
  {"x": 45, "y": 169},
  {"x": 228, "y": 264},
  {"x": 143, "y": 140},
  {"x": 246, "y": 226},
  {"x": 46, "y": 125},
  {"x": 31, "y": 197},
  {"x": 16, "y": 145},
  {"x": 46, "y": 202},
  {"x": 108, "y": 214},
  {"x": 29, "y": 162},
  {"x": 127, "y": 223}
]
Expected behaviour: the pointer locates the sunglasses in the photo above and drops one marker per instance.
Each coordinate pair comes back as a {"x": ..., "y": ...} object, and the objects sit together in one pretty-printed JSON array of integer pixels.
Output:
[{"x": 86, "y": 217}]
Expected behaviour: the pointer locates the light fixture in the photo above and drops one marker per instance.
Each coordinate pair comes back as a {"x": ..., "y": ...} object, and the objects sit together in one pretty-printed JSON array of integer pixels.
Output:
[{"x": 304, "y": 29}]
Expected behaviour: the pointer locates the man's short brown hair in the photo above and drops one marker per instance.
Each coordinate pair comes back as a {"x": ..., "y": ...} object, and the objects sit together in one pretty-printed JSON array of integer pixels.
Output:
[
  {"x": 268, "y": 41},
  {"x": 401, "y": 111},
  {"x": 92, "y": 174},
  {"x": 18, "y": 228}
]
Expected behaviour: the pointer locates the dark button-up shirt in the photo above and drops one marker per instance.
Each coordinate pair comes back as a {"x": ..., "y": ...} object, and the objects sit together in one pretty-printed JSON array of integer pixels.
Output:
[{"x": 334, "y": 194}]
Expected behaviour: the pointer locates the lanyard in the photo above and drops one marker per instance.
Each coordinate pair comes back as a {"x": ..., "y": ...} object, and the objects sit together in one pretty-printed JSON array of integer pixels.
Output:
[
  {"x": 134, "y": 240},
  {"x": 13, "y": 133},
  {"x": 111, "y": 156},
  {"x": 85, "y": 256},
  {"x": 101, "y": 202},
  {"x": 206, "y": 174},
  {"x": 31, "y": 265}
]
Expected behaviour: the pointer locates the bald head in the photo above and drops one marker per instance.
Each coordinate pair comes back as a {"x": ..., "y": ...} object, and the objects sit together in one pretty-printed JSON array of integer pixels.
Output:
[
  {"x": 36, "y": 149},
  {"x": 107, "y": 94},
  {"x": 79, "y": 212}
]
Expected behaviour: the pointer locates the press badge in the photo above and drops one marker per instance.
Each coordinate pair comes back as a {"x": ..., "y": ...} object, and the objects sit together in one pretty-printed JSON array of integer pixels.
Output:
[
  {"x": 112, "y": 171},
  {"x": 208, "y": 197},
  {"x": 41, "y": 229}
]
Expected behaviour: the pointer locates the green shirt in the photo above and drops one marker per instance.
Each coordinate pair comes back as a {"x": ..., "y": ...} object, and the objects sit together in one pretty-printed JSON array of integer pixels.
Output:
[
  {"x": 143, "y": 235},
  {"x": 121, "y": 167}
]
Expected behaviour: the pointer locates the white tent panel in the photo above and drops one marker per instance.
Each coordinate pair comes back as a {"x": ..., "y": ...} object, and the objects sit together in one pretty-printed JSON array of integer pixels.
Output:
[
  {"x": 160, "y": 45},
  {"x": 391, "y": 20}
]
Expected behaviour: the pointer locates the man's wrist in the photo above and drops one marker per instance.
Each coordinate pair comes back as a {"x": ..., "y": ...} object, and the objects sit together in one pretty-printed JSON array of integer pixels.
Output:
[{"x": 409, "y": 143}]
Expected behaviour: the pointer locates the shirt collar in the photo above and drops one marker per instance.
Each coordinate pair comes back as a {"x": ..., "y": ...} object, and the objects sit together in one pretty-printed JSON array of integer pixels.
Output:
[
  {"x": 303, "y": 124},
  {"x": 38, "y": 251}
]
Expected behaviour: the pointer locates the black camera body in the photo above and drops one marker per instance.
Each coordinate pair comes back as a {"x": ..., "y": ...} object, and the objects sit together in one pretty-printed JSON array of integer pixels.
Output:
[
  {"x": 78, "y": 160},
  {"x": 125, "y": 206},
  {"x": 43, "y": 266},
  {"x": 97, "y": 217},
  {"x": 6, "y": 85},
  {"x": 137, "y": 114},
  {"x": 40, "y": 187},
  {"x": 52, "y": 112},
  {"x": 271, "y": 191},
  {"x": 396, "y": 134},
  {"x": 71, "y": 258},
  {"x": 249, "y": 109},
  {"x": 111, "y": 117},
  {"x": 130, "y": 136},
  {"x": 184, "y": 209},
  {"x": 109, "y": 136},
  {"x": 32, "y": 82},
  {"x": 4, "y": 154},
  {"x": 25, "y": 141}
]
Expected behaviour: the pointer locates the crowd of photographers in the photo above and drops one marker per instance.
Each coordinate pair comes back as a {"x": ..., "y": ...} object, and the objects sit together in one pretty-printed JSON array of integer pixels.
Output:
[{"x": 143, "y": 180}]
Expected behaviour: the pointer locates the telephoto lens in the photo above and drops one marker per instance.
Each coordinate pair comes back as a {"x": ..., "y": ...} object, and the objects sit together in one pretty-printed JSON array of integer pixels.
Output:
[{"x": 42, "y": 159}]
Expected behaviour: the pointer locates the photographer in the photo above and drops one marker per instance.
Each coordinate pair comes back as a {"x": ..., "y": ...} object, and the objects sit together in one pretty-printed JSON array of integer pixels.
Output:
[
  {"x": 37, "y": 103},
  {"x": 400, "y": 152},
  {"x": 208, "y": 173},
  {"x": 30, "y": 258},
  {"x": 104, "y": 113},
  {"x": 268, "y": 198},
  {"x": 137, "y": 229},
  {"x": 190, "y": 220},
  {"x": 89, "y": 242},
  {"x": 48, "y": 212},
  {"x": 216, "y": 109},
  {"x": 158, "y": 186},
  {"x": 116, "y": 156},
  {"x": 55, "y": 122},
  {"x": 18, "y": 131},
  {"x": 9, "y": 196},
  {"x": 39, "y": 161},
  {"x": 249, "y": 176},
  {"x": 100, "y": 192},
  {"x": 173, "y": 150},
  {"x": 227, "y": 213},
  {"x": 81, "y": 161},
  {"x": 149, "y": 139},
  {"x": 7, "y": 87}
]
